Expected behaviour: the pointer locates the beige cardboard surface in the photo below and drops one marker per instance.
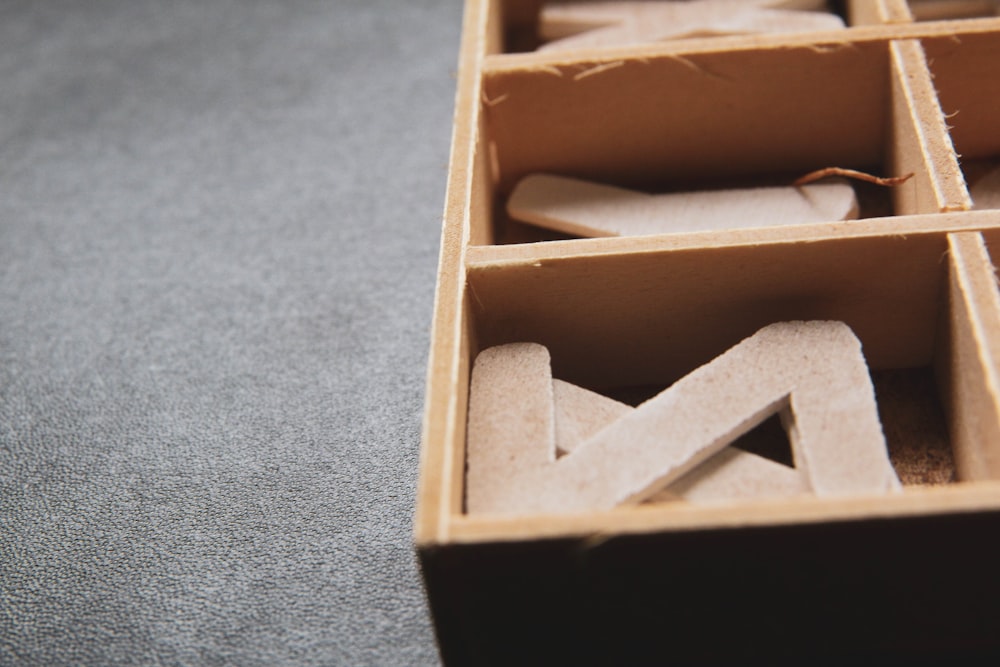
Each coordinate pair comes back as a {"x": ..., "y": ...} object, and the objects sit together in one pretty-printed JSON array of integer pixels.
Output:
[
  {"x": 580, "y": 413},
  {"x": 746, "y": 111},
  {"x": 511, "y": 431},
  {"x": 729, "y": 475}
]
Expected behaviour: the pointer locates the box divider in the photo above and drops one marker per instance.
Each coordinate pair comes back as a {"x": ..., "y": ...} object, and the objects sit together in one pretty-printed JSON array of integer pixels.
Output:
[
  {"x": 856, "y": 35},
  {"x": 600, "y": 526},
  {"x": 968, "y": 361},
  {"x": 488, "y": 258},
  {"x": 919, "y": 142},
  {"x": 447, "y": 363}
]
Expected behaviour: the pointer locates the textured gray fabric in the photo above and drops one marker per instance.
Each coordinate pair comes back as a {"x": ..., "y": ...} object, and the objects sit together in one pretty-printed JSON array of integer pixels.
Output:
[{"x": 219, "y": 225}]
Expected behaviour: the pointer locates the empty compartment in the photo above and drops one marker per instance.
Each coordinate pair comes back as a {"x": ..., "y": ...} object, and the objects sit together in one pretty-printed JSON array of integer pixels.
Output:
[{"x": 715, "y": 119}]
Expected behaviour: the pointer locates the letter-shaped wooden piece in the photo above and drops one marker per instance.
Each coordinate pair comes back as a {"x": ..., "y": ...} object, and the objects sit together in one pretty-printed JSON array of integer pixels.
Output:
[
  {"x": 580, "y": 25},
  {"x": 734, "y": 474},
  {"x": 592, "y": 209},
  {"x": 816, "y": 369},
  {"x": 511, "y": 424},
  {"x": 729, "y": 475}
]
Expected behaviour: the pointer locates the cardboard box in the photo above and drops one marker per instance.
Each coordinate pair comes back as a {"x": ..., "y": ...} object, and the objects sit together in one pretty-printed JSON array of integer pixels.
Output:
[{"x": 908, "y": 576}]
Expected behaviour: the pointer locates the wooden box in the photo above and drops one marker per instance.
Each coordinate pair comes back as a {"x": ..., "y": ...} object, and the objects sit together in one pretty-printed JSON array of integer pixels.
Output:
[{"x": 905, "y": 577}]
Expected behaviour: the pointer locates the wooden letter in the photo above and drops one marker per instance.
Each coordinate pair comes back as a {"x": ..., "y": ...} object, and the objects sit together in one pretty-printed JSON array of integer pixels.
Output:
[
  {"x": 511, "y": 425},
  {"x": 592, "y": 209},
  {"x": 729, "y": 475},
  {"x": 581, "y": 25},
  {"x": 814, "y": 369}
]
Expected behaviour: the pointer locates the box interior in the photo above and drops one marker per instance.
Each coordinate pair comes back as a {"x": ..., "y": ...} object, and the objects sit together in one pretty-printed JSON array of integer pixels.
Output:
[
  {"x": 629, "y": 326},
  {"x": 635, "y": 317},
  {"x": 701, "y": 121}
]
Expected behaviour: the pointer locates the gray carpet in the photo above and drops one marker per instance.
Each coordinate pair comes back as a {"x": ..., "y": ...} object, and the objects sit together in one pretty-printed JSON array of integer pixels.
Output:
[{"x": 219, "y": 226}]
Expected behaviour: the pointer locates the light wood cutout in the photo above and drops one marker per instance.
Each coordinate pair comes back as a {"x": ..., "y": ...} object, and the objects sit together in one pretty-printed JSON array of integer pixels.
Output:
[
  {"x": 729, "y": 475},
  {"x": 582, "y": 25},
  {"x": 811, "y": 372},
  {"x": 591, "y": 209}
]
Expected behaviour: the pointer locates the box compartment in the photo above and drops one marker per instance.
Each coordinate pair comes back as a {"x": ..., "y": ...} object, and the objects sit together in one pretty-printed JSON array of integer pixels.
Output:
[
  {"x": 710, "y": 119},
  {"x": 880, "y": 576},
  {"x": 612, "y": 322},
  {"x": 517, "y": 20}
]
